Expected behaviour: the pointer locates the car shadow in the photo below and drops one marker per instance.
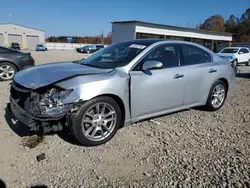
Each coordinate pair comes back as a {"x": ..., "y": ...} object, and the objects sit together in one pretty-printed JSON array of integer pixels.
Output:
[
  {"x": 66, "y": 135},
  {"x": 243, "y": 75},
  {"x": 22, "y": 130}
]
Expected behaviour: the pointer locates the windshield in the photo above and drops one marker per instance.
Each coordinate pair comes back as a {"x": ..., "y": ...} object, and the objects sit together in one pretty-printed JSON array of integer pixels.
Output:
[
  {"x": 116, "y": 55},
  {"x": 230, "y": 50}
]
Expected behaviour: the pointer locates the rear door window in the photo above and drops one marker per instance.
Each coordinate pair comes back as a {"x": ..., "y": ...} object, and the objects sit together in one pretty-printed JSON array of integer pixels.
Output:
[{"x": 193, "y": 55}]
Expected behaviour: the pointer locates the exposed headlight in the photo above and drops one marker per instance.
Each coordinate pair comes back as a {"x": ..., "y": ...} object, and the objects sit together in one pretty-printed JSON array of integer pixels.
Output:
[
  {"x": 54, "y": 103},
  {"x": 59, "y": 96}
]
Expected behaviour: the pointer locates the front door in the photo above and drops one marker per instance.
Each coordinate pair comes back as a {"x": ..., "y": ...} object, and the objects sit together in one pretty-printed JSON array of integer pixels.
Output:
[{"x": 155, "y": 91}]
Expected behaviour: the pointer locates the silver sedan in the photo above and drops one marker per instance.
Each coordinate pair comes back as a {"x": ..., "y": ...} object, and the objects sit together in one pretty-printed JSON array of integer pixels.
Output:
[{"x": 121, "y": 84}]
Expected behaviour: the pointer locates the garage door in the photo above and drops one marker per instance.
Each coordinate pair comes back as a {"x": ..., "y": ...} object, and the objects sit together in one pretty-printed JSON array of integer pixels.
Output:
[
  {"x": 32, "y": 41},
  {"x": 15, "y": 38},
  {"x": 1, "y": 40}
]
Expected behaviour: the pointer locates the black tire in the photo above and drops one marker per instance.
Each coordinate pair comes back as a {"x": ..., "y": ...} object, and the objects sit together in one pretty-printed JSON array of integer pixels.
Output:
[
  {"x": 248, "y": 63},
  {"x": 235, "y": 62},
  {"x": 12, "y": 66},
  {"x": 209, "y": 105},
  {"x": 76, "y": 121}
]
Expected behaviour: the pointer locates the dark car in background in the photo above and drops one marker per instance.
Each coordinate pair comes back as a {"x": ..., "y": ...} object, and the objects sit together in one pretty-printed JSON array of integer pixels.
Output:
[
  {"x": 15, "y": 45},
  {"x": 12, "y": 61},
  {"x": 90, "y": 48}
]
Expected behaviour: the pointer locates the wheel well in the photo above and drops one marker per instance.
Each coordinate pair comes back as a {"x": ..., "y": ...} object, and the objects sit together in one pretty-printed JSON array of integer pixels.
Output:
[
  {"x": 10, "y": 63},
  {"x": 120, "y": 103},
  {"x": 225, "y": 81}
]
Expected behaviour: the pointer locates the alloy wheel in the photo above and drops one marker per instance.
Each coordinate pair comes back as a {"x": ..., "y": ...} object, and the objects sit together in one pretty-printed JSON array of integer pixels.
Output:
[
  {"x": 6, "y": 72},
  {"x": 218, "y": 96},
  {"x": 99, "y": 121}
]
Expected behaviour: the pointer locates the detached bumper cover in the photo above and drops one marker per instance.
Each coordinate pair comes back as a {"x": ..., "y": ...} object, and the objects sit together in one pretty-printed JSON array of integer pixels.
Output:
[
  {"x": 20, "y": 113},
  {"x": 27, "y": 118}
]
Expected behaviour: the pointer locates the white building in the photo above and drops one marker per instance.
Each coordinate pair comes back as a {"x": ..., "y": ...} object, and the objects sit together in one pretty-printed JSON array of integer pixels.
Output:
[
  {"x": 27, "y": 37},
  {"x": 129, "y": 30}
]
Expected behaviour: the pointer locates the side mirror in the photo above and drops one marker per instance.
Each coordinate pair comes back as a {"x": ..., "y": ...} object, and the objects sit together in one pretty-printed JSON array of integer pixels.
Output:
[
  {"x": 150, "y": 65},
  {"x": 240, "y": 53}
]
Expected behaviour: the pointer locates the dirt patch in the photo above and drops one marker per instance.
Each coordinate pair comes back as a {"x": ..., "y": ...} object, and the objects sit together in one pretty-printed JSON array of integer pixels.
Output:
[{"x": 32, "y": 141}]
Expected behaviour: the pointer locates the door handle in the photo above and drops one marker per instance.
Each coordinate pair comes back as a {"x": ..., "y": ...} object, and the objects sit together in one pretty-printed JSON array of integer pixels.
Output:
[
  {"x": 212, "y": 70},
  {"x": 178, "y": 76}
]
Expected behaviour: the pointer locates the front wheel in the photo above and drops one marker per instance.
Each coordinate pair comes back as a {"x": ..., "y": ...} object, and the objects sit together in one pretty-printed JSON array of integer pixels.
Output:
[
  {"x": 248, "y": 63},
  {"x": 217, "y": 96},
  {"x": 96, "y": 121}
]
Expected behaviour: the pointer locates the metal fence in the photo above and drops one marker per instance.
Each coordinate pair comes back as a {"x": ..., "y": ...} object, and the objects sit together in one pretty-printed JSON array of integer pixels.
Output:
[{"x": 63, "y": 46}]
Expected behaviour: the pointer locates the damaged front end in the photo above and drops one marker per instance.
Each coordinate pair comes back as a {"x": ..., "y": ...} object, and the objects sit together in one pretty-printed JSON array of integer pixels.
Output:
[{"x": 42, "y": 108}]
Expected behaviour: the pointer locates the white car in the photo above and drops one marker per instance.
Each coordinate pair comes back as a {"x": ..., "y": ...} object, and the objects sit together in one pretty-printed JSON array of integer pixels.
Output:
[{"x": 238, "y": 54}]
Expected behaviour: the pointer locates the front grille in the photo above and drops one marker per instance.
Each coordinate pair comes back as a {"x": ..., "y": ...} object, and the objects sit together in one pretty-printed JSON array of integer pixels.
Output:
[{"x": 19, "y": 93}]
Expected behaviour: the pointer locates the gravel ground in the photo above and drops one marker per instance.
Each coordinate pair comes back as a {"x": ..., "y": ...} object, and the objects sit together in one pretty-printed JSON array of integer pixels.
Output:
[{"x": 192, "y": 148}]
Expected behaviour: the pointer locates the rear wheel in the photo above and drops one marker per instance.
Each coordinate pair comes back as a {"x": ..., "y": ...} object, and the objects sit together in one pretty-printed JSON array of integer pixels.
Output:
[
  {"x": 217, "y": 96},
  {"x": 7, "y": 71},
  {"x": 96, "y": 122}
]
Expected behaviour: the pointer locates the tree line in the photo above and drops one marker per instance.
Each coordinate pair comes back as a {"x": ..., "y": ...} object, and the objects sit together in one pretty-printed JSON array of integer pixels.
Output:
[
  {"x": 85, "y": 40},
  {"x": 240, "y": 27}
]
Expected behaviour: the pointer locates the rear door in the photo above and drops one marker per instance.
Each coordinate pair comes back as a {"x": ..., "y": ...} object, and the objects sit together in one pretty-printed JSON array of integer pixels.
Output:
[{"x": 200, "y": 72}]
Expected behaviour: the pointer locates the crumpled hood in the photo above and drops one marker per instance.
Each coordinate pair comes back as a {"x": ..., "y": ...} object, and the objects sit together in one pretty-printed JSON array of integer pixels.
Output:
[{"x": 43, "y": 75}]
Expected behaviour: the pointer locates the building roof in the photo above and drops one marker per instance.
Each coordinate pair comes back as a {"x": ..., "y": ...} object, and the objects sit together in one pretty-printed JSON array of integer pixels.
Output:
[
  {"x": 20, "y": 26},
  {"x": 174, "y": 27}
]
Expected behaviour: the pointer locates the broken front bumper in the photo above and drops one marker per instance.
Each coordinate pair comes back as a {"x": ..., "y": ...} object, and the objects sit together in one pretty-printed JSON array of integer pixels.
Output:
[
  {"x": 30, "y": 119},
  {"x": 21, "y": 114}
]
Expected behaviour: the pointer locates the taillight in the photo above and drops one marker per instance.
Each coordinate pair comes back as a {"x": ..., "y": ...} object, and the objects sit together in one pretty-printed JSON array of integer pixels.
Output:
[{"x": 31, "y": 58}]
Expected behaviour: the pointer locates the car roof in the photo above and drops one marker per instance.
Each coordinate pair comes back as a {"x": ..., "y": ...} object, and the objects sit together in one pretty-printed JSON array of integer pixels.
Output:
[
  {"x": 235, "y": 47},
  {"x": 146, "y": 42},
  {"x": 10, "y": 50},
  {"x": 232, "y": 47}
]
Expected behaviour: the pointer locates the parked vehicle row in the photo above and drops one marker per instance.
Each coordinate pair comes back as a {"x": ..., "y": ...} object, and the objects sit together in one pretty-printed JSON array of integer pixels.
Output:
[
  {"x": 16, "y": 46},
  {"x": 121, "y": 84},
  {"x": 90, "y": 48},
  {"x": 238, "y": 55}
]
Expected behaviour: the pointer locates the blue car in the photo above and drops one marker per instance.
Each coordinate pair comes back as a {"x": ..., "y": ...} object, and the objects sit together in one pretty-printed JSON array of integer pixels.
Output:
[{"x": 41, "y": 47}]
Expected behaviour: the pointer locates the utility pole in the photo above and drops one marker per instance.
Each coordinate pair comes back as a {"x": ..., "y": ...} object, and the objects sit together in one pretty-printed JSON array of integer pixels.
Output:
[
  {"x": 102, "y": 36},
  {"x": 10, "y": 18}
]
